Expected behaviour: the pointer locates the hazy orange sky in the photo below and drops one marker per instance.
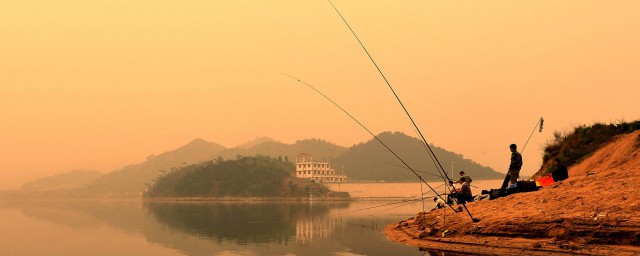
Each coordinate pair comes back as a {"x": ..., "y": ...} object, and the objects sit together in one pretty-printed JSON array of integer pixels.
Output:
[{"x": 97, "y": 85}]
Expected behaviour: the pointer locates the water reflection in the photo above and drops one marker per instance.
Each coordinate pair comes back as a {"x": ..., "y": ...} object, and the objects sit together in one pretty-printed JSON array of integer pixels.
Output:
[
  {"x": 245, "y": 223},
  {"x": 259, "y": 228}
]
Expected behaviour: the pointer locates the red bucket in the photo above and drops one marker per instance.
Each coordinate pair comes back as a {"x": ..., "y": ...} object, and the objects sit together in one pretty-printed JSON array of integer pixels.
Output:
[{"x": 545, "y": 181}]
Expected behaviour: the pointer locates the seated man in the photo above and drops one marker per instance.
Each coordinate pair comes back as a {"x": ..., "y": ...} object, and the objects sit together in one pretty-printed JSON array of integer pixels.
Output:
[
  {"x": 465, "y": 192},
  {"x": 560, "y": 173}
]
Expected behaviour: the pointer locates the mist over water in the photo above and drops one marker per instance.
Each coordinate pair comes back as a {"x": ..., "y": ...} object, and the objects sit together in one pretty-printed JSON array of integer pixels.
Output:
[
  {"x": 207, "y": 228},
  {"x": 136, "y": 228}
]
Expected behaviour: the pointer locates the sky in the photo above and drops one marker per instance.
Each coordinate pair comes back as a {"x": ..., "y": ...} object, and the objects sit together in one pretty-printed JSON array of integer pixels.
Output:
[{"x": 97, "y": 85}]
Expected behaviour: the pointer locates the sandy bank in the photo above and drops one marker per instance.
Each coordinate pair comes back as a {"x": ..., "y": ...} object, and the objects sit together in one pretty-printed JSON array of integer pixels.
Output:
[{"x": 594, "y": 212}]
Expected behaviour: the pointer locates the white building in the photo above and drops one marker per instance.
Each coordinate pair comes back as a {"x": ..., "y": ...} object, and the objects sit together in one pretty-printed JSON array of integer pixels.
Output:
[{"x": 306, "y": 168}]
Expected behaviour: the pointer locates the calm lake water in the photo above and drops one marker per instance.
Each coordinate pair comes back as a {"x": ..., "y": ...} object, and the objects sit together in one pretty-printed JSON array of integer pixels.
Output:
[{"x": 211, "y": 228}]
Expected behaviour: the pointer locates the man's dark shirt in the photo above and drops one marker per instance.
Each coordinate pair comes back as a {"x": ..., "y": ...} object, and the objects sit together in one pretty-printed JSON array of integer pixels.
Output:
[
  {"x": 516, "y": 161},
  {"x": 467, "y": 179}
]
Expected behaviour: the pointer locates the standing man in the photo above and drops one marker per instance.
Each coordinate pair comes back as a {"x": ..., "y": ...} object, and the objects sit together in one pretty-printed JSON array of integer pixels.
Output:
[{"x": 514, "y": 167}]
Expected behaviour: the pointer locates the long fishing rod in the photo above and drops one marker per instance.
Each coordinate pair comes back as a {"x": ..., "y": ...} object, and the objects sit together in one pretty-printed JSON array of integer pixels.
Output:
[
  {"x": 541, "y": 123},
  {"x": 371, "y": 133},
  {"x": 435, "y": 159},
  {"x": 432, "y": 156}
]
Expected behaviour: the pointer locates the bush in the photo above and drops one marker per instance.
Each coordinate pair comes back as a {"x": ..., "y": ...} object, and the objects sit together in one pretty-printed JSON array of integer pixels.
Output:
[{"x": 571, "y": 148}]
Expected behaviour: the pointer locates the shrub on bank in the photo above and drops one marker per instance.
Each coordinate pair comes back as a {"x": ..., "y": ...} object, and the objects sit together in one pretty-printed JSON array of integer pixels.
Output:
[{"x": 573, "y": 147}]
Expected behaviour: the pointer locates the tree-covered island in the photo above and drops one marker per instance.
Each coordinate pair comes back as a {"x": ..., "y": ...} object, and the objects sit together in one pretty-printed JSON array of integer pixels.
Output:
[{"x": 259, "y": 177}]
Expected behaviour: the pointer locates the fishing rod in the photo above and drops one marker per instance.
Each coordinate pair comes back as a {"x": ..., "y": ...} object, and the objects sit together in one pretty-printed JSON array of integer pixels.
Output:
[
  {"x": 541, "y": 123},
  {"x": 428, "y": 148},
  {"x": 438, "y": 165},
  {"x": 371, "y": 133},
  {"x": 508, "y": 176},
  {"x": 432, "y": 156}
]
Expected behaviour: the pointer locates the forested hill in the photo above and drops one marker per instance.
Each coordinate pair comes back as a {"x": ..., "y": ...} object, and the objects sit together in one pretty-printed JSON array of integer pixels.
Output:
[
  {"x": 320, "y": 149},
  {"x": 258, "y": 176},
  {"x": 370, "y": 161}
]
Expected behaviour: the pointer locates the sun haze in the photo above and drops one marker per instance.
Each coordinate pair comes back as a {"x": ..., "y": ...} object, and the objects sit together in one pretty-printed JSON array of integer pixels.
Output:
[{"x": 97, "y": 85}]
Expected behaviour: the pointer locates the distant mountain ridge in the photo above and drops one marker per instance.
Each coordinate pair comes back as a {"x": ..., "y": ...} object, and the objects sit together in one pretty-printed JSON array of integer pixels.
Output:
[
  {"x": 367, "y": 161},
  {"x": 255, "y": 142},
  {"x": 370, "y": 161},
  {"x": 320, "y": 149},
  {"x": 70, "y": 180},
  {"x": 130, "y": 180}
]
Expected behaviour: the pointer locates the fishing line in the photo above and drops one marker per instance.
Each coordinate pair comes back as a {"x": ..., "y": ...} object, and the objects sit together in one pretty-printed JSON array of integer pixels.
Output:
[
  {"x": 431, "y": 155},
  {"x": 371, "y": 133},
  {"x": 399, "y": 166},
  {"x": 397, "y": 206},
  {"x": 435, "y": 159},
  {"x": 410, "y": 199},
  {"x": 424, "y": 172},
  {"x": 438, "y": 165},
  {"x": 541, "y": 123}
]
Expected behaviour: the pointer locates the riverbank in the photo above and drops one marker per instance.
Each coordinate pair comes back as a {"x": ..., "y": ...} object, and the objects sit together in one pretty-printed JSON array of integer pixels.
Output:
[{"x": 594, "y": 212}]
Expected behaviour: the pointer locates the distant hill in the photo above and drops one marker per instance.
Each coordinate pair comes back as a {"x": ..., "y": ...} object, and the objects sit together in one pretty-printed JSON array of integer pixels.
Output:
[
  {"x": 255, "y": 142},
  {"x": 130, "y": 180},
  {"x": 320, "y": 149},
  {"x": 370, "y": 161},
  {"x": 256, "y": 176},
  {"x": 65, "y": 181}
]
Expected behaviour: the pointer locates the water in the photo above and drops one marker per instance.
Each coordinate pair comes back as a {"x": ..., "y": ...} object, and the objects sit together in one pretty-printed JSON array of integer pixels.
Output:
[{"x": 209, "y": 228}]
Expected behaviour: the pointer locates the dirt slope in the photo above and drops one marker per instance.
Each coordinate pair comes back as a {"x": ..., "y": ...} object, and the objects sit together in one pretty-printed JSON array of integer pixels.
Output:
[{"x": 595, "y": 211}]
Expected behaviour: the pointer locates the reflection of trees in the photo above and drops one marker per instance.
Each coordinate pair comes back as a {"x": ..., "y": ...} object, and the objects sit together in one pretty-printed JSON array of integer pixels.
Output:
[
  {"x": 200, "y": 229},
  {"x": 239, "y": 222}
]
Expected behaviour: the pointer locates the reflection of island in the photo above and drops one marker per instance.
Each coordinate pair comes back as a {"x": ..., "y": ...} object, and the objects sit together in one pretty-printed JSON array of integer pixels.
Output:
[
  {"x": 242, "y": 223},
  {"x": 309, "y": 229},
  {"x": 257, "y": 228}
]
